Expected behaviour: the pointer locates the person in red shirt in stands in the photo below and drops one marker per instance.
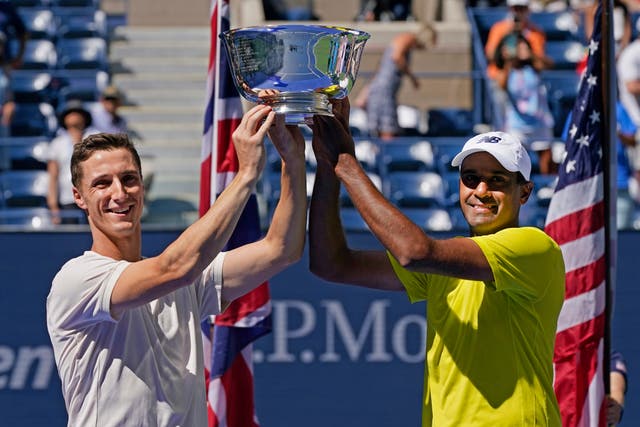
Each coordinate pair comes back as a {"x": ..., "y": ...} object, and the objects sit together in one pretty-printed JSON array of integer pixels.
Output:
[{"x": 517, "y": 21}]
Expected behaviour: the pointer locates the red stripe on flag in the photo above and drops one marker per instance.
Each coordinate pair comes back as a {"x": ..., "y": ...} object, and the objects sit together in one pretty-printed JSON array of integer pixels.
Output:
[
  {"x": 577, "y": 224},
  {"x": 205, "y": 186},
  {"x": 576, "y": 364},
  {"x": 227, "y": 159},
  {"x": 585, "y": 278},
  {"x": 238, "y": 385},
  {"x": 572, "y": 339},
  {"x": 244, "y": 306}
]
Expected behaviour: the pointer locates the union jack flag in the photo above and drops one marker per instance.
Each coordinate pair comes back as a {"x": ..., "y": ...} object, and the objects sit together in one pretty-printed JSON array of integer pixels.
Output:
[
  {"x": 576, "y": 221},
  {"x": 228, "y": 354}
]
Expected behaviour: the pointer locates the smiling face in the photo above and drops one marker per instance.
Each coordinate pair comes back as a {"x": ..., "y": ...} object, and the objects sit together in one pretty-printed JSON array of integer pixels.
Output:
[
  {"x": 490, "y": 195},
  {"x": 111, "y": 191}
]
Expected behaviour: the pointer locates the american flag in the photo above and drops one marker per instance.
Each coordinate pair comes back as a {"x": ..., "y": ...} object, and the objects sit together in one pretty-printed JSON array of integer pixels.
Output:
[
  {"x": 228, "y": 354},
  {"x": 576, "y": 220}
]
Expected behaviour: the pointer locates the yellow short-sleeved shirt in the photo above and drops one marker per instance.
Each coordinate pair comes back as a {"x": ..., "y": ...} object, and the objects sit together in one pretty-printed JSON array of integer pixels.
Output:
[{"x": 490, "y": 345}]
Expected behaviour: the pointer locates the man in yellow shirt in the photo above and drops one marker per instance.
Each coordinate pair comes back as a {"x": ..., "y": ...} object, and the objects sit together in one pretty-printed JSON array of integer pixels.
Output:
[{"x": 493, "y": 298}]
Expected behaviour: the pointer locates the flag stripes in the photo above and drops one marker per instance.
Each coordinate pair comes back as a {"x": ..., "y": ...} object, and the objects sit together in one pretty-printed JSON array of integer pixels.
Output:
[
  {"x": 576, "y": 221},
  {"x": 229, "y": 370}
]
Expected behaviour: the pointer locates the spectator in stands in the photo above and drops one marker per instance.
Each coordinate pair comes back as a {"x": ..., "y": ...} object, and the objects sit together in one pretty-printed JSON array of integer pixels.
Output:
[
  {"x": 379, "y": 98},
  {"x": 384, "y": 10},
  {"x": 517, "y": 21},
  {"x": 617, "y": 388},
  {"x": 628, "y": 67},
  {"x": 527, "y": 113},
  {"x": 125, "y": 328},
  {"x": 105, "y": 115},
  {"x": 493, "y": 299},
  {"x": 289, "y": 10},
  {"x": 75, "y": 124},
  {"x": 13, "y": 29},
  {"x": 7, "y": 102}
]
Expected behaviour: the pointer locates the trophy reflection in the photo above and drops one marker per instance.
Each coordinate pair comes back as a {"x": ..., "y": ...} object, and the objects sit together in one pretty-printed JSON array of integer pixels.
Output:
[{"x": 295, "y": 69}]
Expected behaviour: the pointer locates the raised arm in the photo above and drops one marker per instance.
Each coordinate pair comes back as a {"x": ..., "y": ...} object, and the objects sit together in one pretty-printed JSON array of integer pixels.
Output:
[
  {"x": 183, "y": 261},
  {"x": 329, "y": 255},
  {"x": 415, "y": 250},
  {"x": 248, "y": 266}
]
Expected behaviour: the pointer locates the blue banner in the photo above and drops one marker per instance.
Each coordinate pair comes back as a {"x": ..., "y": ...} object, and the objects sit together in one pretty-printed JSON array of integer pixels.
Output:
[{"x": 338, "y": 355}]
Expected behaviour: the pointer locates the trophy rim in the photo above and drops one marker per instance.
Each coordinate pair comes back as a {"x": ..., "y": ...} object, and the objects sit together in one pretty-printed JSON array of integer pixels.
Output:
[{"x": 274, "y": 27}]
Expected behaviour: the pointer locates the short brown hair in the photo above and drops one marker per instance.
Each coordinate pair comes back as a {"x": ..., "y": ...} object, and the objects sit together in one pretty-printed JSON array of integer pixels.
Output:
[{"x": 100, "y": 142}]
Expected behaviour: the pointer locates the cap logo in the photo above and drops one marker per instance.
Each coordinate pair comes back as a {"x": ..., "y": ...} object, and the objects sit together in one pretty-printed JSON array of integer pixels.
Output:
[{"x": 493, "y": 139}]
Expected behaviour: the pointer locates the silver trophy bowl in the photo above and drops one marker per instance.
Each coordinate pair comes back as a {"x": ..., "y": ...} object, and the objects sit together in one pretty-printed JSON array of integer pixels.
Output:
[{"x": 295, "y": 69}]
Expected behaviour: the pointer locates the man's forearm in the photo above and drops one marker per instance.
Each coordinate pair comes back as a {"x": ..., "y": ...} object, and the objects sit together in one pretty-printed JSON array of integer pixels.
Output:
[
  {"x": 326, "y": 236},
  {"x": 394, "y": 230},
  {"x": 200, "y": 242},
  {"x": 288, "y": 225}
]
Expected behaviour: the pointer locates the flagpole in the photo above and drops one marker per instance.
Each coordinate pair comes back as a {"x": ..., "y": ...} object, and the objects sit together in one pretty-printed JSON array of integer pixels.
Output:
[{"x": 609, "y": 141}]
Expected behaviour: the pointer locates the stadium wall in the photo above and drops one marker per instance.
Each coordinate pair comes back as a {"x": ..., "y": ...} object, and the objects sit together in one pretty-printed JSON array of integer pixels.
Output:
[{"x": 337, "y": 356}]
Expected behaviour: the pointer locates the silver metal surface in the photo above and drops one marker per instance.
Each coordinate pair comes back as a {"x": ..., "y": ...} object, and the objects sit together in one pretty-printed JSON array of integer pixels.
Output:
[{"x": 294, "y": 68}]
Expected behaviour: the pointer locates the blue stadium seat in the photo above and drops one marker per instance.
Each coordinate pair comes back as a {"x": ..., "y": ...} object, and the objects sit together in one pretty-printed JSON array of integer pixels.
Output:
[
  {"x": 83, "y": 54},
  {"x": 452, "y": 187},
  {"x": 39, "y": 54},
  {"x": 76, "y": 3},
  {"x": 23, "y": 4},
  {"x": 24, "y": 188},
  {"x": 415, "y": 189},
  {"x": 532, "y": 215},
  {"x": 33, "y": 218},
  {"x": 81, "y": 22},
  {"x": 407, "y": 155},
  {"x": 358, "y": 123},
  {"x": 31, "y": 86},
  {"x": 485, "y": 18},
  {"x": 445, "y": 152},
  {"x": 34, "y": 119},
  {"x": 40, "y": 23},
  {"x": 85, "y": 85},
  {"x": 430, "y": 219},
  {"x": 24, "y": 153},
  {"x": 411, "y": 120},
  {"x": 566, "y": 54},
  {"x": 556, "y": 25},
  {"x": 458, "y": 220},
  {"x": 562, "y": 90},
  {"x": 368, "y": 153},
  {"x": 449, "y": 122},
  {"x": 543, "y": 187}
]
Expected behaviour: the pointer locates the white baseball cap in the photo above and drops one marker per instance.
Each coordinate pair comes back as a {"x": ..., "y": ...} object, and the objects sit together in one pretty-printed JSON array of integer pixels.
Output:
[
  {"x": 511, "y": 3},
  {"x": 506, "y": 148}
]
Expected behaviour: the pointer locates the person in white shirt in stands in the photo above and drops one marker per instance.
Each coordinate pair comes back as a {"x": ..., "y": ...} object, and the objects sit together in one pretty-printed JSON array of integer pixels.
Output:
[
  {"x": 75, "y": 123},
  {"x": 125, "y": 328}
]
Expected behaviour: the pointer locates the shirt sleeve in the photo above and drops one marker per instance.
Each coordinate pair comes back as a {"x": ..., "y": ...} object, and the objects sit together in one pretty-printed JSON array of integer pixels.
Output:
[
  {"x": 524, "y": 261},
  {"x": 209, "y": 288},
  {"x": 81, "y": 292},
  {"x": 416, "y": 284}
]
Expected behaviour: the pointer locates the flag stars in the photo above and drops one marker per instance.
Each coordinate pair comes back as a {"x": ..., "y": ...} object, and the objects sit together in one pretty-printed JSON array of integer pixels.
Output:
[
  {"x": 573, "y": 131},
  {"x": 594, "y": 116},
  {"x": 583, "y": 140},
  {"x": 592, "y": 80},
  {"x": 571, "y": 166},
  {"x": 593, "y": 47}
]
